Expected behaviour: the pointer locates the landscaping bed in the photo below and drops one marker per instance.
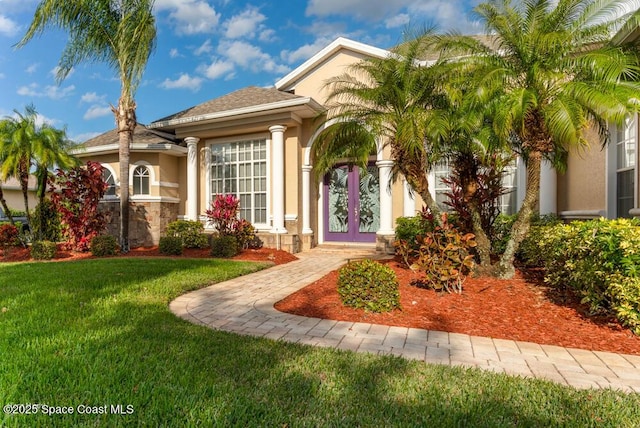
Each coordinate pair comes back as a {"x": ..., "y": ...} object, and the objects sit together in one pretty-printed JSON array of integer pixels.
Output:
[
  {"x": 522, "y": 309},
  {"x": 263, "y": 254}
]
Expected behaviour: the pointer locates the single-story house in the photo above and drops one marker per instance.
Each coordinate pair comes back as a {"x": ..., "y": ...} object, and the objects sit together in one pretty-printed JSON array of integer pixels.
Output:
[{"x": 255, "y": 143}]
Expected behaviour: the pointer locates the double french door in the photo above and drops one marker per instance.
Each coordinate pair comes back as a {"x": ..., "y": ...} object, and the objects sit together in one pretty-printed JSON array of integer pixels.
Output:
[{"x": 352, "y": 204}]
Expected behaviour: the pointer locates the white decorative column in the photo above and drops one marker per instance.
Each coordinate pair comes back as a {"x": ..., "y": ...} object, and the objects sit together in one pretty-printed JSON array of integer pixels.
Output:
[
  {"x": 548, "y": 189},
  {"x": 277, "y": 178},
  {"x": 306, "y": 200},
  {"x": 386, "y": 202},
  {"x": 192, "y": 177},
  {"x": 409, "y": 205}
]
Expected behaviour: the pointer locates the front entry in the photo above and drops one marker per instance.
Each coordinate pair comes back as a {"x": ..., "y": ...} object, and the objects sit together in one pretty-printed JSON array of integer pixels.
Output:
[{"x": 352, "y": 204}]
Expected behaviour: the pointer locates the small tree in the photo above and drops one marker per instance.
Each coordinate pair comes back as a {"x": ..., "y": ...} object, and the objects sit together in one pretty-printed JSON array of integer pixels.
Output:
[{"x": 76, "y": 195}]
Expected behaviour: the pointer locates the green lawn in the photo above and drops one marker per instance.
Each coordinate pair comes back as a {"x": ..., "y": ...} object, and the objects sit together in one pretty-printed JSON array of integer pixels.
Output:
[{"x": 99, "y": 333}]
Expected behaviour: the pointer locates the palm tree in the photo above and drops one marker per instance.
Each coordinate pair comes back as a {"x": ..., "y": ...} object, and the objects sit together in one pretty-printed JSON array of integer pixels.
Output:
[
  {"x": 549, "y": 75},
  {"x": 120, "y": 33},
  {"x": 25, "y": 145},
  {"x": 382, "y": 99}
]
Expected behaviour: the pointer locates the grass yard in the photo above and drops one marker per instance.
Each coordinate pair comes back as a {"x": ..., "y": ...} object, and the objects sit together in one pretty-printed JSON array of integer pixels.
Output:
[{"x": 97, "y": 336}]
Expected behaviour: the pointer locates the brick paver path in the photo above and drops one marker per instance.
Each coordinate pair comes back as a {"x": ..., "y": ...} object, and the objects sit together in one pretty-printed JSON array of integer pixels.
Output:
[{"x": 245, "y": 306}]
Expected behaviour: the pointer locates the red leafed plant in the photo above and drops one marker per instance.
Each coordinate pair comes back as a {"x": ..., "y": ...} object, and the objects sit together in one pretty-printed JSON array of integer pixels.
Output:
[
  {"x": 224, "y": 213},
  {"x": 8, "y": 237},
  {"x": 76, "y": 195}
]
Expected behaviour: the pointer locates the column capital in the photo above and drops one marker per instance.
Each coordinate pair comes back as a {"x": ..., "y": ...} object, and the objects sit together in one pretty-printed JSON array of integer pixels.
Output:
[
  {"x": 384, "y": 163},
  {"x": 191, "y": 141},
  {"x": 307, "y": 168},
  {"x": 277, "y": 128}
]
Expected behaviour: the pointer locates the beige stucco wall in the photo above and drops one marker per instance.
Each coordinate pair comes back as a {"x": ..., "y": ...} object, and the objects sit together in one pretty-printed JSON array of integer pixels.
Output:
[
  {"x": 313, "y": 83},
  {"x": 583, "y": 186},
  {"x": 14, "y": 198}
]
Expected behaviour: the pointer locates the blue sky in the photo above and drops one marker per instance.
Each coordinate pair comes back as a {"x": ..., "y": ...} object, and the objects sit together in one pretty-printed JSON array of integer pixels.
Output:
[{"x": 205, "y": 49}]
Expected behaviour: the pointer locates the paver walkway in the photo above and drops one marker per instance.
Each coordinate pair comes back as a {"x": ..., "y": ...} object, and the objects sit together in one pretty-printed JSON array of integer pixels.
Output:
[{"x": 245, "y": 305}]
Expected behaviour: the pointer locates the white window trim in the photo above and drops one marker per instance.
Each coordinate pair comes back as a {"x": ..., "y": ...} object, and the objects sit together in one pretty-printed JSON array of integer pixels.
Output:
[
  {"x": 116, "y": 181},
  {"x": 239, "y": 139},
  {"x": 152, "y": 178},
  {"x": 611, "y": 189}
]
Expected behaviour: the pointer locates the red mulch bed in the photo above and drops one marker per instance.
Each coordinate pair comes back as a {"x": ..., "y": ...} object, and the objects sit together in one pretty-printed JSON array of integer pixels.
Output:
[
  {"x": 523, "y": 309},
  {"x": 264, "y": 254}
]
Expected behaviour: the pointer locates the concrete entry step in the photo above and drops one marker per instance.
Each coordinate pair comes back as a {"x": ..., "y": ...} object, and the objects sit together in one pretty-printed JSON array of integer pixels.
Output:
[{"x": 351, "y": 250}]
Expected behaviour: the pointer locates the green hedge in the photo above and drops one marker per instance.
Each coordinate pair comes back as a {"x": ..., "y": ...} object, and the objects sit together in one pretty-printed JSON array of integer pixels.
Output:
[
  {"x": 191, "y": 232},
  {"x": 600, "y": 259}
]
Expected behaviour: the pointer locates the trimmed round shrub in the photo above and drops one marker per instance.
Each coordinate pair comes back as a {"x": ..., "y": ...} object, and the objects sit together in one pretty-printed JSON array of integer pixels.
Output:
[
  {"x": 43, "y": 250},
  {"x": 170, "y": 246},
  {"x": 104, "y": 245},
  {"x": 190, "y": 231},
  {"x": 369, "y": 285},
  {"x": 224, "y": 246}
]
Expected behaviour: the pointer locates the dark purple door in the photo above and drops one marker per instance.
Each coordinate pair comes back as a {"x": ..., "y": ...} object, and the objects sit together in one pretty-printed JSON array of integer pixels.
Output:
[{"x": 352, "y": 204}]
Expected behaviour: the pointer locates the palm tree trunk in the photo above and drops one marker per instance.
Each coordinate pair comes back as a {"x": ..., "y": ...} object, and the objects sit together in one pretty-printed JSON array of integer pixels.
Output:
[
  {"x": 23, "y": 176},
  {"x": 126, "y": 122},
  {"x": 483, "y": 247},
  {"x": 5, "y": 208},
  {"x": 520, "y": 228}
]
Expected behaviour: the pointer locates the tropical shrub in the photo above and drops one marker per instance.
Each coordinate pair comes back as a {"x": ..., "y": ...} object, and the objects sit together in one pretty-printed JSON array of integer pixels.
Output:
[
  {"x": 190, "y": 231},
  {"x": 223, "y": 214},
  {"x": 170, "y": 245},
  {"x": 600, "y": 260},
  {"x": 46, "y": 225},
  {"x": 43, "y": 250},
  {"x": 224, "y": 246},
  {"x": 368, "y": 285},
  {"x": 8, "y": 236},
  {"x": 76, "y": 195},
  {"x": 104, "y": 245},
  {"x": 444, "y": 256}
]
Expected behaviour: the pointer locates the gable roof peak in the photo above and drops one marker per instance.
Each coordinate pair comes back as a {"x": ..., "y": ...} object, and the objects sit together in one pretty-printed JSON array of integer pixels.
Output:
[{"x": 287, "y": 81}]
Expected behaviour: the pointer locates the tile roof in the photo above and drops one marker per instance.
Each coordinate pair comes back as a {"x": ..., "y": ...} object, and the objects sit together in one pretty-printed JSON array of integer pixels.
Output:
[
  {"x": 140, "y": 135},
  {"x": 242, "y": 98}
]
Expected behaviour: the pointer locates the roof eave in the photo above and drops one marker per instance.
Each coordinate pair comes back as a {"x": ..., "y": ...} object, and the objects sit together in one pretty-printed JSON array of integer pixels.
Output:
[
  {"x": 251, "y": 110},
  {"x": 168, "y": 148}
]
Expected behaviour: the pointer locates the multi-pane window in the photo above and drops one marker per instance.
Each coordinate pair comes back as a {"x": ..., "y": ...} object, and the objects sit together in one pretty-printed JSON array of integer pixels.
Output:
[
  {"x": 625, "y": 140},
  {"x": 108, "y": 178},
  {"x": 240, "y": 169},
  {"x": 508, "y": 201},
  {"x": 141, "y": 180}
]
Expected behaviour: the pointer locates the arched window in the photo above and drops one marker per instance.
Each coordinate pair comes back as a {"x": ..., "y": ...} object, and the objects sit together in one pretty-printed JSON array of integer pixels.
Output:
[
  {"x": 108, "y": 178},
  {"x": 141, "y": 180}
]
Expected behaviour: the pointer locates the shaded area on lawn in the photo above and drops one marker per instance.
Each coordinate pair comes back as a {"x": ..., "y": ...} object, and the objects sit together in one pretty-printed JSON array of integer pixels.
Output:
[
  {"x": 98, "y": 332},
  {"x": 523, "y": 309}
]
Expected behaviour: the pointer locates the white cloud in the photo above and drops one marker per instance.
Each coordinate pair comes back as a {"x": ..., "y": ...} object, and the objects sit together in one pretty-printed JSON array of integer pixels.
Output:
[
  {"x": 97, "y": 111},
  {"x": 204, "y": 48},
  {"x": 190, "y": 16},
  {"x": 397, "y": 21},
  {"x": 183, "y": 82},
  {"x": 218, "y": 69},
  {"x": 447, "y": 15},
  {"x": 52, "y": 92},
  {"x": 32, "y": 68},
  {"x": 305, "y": 52},
  {"x": 267, "y": 35},
  {"x": 8, "y": 27},
  {"x": 92, "y": 98},
  {"x": 174, "y": 53},
  {"x": 245, "y": 24},
  {"x": 250, "y": 57}
]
